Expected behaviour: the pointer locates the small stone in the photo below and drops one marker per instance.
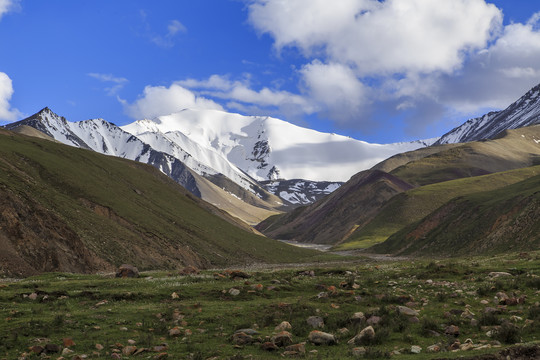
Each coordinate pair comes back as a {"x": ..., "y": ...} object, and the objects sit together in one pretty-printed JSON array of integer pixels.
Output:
[
  {"x": 496, "y": 274},
  {"x": 175, "y": 296},
  {"x": 374, "y": 320},
  {"x": 68, "y": 342},
  {"x": 321, "y": 338},
  {"x": 237, "y": 274},
  {"x": 285, "y": 325},
  {"x": 52, "y": 348},
  {"x": 452, "y": 330},
  {"x": 129, "y": 350},
  {"x": 175, "y": 331},
  {"x": 315, "y": 322},
  {"x": 269, "y": 346},
  {"x": 33, "y": 296},
  {"x": 241, "y": 338},
  {"x": 127, "y": 271},
  {"x": 99, "y": 347},
  {"x": 298, "y": 348},
  {"x": 415, "y": 349},
  {"x": 67, "y": 351},
  {"x": 37, "y": 349},
  {"x": 359, "y": 351},
  {"x": 433, "y": 348},
  {"x": 358, "y": 317},
  {"x": 131, "y": 342},
  {"x": 282, "y": 339},
  {"x": 404, "y": 310},
  {"x": 234, "y": 291},
  {"x": 248, "y": 331}
]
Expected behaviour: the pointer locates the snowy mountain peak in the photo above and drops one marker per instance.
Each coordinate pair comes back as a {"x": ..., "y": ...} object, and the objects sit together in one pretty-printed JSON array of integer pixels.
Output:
[
  {"x": 523, "y": 112},
  {"x": 267, "y": 148}
]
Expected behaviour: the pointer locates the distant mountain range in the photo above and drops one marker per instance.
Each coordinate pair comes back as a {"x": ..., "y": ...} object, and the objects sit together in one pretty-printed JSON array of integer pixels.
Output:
[{"x": 264, "y": 162}]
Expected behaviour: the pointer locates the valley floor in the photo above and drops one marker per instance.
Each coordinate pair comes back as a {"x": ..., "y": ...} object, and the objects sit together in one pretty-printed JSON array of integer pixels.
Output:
[{"x": 417, "y": 309}]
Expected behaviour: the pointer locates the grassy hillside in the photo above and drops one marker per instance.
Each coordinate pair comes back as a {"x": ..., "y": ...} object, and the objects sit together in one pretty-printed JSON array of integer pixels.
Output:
[
  {"x": 488, "y": 222},
  {"x": 413, "y": 205},
  {"x": 333, "y": 218},
  {"x": 513, "y": 149},
  {"x": 70, "y": 209}
]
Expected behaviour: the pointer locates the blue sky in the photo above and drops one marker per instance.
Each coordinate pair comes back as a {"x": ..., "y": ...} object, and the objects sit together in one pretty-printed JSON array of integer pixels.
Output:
[{"x": 380, "y": 71}]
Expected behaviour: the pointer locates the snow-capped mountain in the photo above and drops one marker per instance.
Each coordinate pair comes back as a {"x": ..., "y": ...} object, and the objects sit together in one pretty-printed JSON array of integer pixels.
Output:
[
  {"x": 107, "y": 138},
  {"x": 266, "y": 148},
  {"x": 524, "y": 112},
  {"x": 257, "y": 153}
]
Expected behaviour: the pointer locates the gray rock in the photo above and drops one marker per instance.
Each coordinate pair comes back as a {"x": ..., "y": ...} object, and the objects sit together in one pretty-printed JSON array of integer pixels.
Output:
[
  {"x": 321, "y": 338},
  {"x": 315, "y": 322}
]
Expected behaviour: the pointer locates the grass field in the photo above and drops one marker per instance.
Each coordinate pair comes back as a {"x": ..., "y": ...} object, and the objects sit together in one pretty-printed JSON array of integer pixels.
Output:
[{"x": 163, "y": 314}]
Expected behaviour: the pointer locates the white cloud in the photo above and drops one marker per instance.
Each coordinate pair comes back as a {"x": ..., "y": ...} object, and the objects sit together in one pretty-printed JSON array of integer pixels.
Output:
[
  {"x": 160, "y": 100},
  {"x": 336, "y": 87},
  {"x": 7, "y": 6},
  {"x": 380, "y": 36},
  {"x": 118, "y": 82},
  {"x": 6, "y": 91}
]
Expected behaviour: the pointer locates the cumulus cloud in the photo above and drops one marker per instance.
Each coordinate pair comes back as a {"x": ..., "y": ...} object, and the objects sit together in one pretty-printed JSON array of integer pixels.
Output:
[
  {"x": 336, "y": 88},
  {"x": 117, "y": 82},
  {"x": 160, "y": 100},
  {"x": 380, "y": 36},
  {"x": 364, "y": 56},
  {"x": 6, "y": 91}
]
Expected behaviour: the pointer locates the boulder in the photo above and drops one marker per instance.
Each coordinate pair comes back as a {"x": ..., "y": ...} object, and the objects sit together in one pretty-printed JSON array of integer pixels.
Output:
[
  {"x": 404, "y": 310},
  {"x": 282, "y": 339},
  {"x": 127, "y": 271},
  {"x": 364, "y": 337},
  {"x": 285, "y": 325},
  {"x": 317, "y": 337},
  {"x": 241, "y": 338}
]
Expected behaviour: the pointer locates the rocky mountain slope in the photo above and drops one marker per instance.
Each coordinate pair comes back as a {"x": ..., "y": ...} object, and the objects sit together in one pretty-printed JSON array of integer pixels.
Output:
[
  {"x": 524, "y": 112},
  {"x": 69, "y": 209}
]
